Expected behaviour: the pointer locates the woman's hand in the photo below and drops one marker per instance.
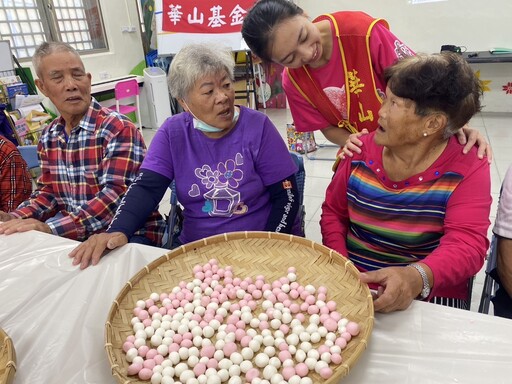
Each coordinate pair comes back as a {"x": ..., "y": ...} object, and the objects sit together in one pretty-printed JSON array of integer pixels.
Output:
[
  {"x": 91, "y": 250},
  {"x": 469, "y": 137},
  {"x": 398, "y": 287},
  {"x": 352, "y": 144}
]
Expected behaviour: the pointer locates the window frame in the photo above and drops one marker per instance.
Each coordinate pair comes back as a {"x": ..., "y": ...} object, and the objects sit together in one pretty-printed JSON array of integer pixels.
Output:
[{"x": 51, "y": 31}]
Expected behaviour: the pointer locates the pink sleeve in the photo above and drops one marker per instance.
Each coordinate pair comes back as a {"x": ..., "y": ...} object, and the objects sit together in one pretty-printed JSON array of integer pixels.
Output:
[
  {"x": 463, "y": 246},
  {"x": 335, "y": 221},
  {"x": 385, "y": 49},
  {"x": 305, "y": 117}
]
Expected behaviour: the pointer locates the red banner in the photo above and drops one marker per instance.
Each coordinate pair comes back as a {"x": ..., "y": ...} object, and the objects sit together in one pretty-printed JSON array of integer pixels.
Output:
[{"x": 204, "y": 16}]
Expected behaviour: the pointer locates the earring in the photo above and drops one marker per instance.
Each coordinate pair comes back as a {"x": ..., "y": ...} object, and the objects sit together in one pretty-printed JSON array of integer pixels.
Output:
[{"x": 425, "y": 134}]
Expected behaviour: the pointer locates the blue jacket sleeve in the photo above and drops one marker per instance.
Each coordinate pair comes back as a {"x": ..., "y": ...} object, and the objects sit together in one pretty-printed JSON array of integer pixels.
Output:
[
  {"x": 284, "y": 200},
  {"x": 141, "y": 199}
]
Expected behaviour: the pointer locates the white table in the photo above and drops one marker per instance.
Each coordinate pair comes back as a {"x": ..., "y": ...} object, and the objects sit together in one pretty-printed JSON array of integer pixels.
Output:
[{"x": 55, "y": 315}]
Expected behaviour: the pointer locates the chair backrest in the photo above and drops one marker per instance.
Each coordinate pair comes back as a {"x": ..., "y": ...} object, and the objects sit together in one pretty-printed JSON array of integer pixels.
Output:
[
  {"x": 29, "y": 154},
  {"x": 126, "y": 88},
  {"x": 173, "y": 228},
  {"x": 300, "y": 175},
  {"x": 490, "y": 285},
  {"x": 300, "y": 221}
]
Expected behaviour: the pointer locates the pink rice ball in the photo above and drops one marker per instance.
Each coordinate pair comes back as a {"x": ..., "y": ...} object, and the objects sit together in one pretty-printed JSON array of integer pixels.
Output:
[
  {"x": 336, "y": 358},
  {"x": 325, "y": 372},
  {"x": 288, "y": 372},
  {"x": 207, "y": 351},
  {"x": 301, "y": 369},
  {"x": 252, "y": 374},
  {"x": 127, "y": 345},
  {"x": 145, "y": 374},
  {"x": 353, "y": 328},
  {"x": 151, "y": 353},
  {"x": 134, "y": 368},
  {"x": 143, "y": 350},
  {"x": 341, "y": 342},
  {"x": 149, "y": 363},
  {"x": 199, "y": 369}
]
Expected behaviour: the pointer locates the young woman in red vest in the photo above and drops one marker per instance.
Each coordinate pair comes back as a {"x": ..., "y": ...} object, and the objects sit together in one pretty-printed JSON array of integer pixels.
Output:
[{"x": 334, "y": 67}]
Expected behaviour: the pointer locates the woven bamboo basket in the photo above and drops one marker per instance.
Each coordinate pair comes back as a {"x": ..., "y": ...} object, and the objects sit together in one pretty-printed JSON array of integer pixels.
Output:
[
  {"x": 250, "y": 254},
  {"x": 7, "y": 359}
]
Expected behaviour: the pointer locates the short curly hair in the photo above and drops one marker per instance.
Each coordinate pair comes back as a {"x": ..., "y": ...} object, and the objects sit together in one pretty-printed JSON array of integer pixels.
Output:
[
  {"x": 195, "y": 61},
  {"x": 442, "y": 82}
]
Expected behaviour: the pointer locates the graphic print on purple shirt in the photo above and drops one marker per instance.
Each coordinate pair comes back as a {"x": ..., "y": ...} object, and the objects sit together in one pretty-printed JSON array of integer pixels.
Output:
[{"x": 223, "y": 197}]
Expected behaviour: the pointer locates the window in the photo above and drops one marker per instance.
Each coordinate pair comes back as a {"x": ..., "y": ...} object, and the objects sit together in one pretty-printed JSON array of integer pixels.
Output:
[{"x": 27, "y": 23}]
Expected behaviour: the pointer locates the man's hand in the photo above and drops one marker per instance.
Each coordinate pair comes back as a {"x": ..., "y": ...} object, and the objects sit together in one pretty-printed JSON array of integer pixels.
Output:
[
  {"x": 91, "y": 250},
  {"x": 469, "y": 137},
  {"x": 14, "y": 225},
  {"x": 398, "y": 287},
  {"x": 4, "y": 216}
]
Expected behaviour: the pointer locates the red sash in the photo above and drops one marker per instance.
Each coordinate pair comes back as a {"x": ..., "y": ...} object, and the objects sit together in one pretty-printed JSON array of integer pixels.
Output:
[{"x": 353, "y": 30}]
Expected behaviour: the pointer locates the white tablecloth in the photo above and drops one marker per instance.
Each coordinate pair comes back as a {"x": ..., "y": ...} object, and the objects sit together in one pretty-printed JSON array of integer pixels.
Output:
[{"x": 55, "y": 315}]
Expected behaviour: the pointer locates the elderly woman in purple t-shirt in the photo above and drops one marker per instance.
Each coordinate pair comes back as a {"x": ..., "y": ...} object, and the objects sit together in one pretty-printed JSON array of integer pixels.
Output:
[{"x": 231, "y": 167}]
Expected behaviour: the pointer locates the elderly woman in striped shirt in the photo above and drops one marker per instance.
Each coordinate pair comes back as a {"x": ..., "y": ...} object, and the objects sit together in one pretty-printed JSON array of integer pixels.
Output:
[{"x": 411, "y": 211}]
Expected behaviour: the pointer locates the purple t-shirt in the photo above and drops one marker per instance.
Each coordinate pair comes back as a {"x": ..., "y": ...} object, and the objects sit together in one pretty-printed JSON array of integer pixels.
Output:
[{"x": 222, "y": 183}]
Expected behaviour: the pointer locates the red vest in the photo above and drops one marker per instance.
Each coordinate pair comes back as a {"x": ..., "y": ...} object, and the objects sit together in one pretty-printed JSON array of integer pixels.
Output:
[{"x": 353, "y": 30}]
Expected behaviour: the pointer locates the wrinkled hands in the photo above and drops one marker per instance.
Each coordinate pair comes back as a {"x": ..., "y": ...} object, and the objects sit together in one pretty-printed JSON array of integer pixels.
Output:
[
  {"x": 398, "y": 287},
  {"x": 91, "y": 250},
  {"x": 12, "y": 225}
]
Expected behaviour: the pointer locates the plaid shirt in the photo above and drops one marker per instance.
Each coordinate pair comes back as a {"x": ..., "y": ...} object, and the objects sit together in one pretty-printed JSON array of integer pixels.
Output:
[
  {"x": 15, "y": 181},
  {"x": 84, "y": 176}
]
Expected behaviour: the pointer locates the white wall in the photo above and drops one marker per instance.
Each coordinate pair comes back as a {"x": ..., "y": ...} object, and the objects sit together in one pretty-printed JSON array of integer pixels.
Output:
[
  {"x": 477, "y": 24},
  {"x": 125, "y": 49}
]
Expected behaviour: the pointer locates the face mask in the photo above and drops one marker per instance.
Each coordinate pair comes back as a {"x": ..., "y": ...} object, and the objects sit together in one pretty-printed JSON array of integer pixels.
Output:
[{"x": 202, "y": 126}]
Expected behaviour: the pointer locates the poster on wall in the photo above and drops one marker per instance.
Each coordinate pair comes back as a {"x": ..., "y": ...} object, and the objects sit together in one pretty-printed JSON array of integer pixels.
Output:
[{"x": 179, "y": 22}]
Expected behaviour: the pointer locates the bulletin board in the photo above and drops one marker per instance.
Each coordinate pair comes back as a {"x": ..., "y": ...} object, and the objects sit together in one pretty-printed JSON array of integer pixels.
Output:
[{"x": 179, "y": 22}]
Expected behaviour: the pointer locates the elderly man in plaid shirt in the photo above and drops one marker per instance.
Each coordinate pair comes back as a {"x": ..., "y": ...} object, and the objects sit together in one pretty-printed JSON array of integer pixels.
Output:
[{"x": 89, "y": 156}]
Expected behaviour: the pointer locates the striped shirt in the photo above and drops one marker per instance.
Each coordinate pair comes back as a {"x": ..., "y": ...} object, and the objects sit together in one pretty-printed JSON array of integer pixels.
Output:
[
  {"x": 15, "y": 181},
  {"x": 440, "y": 216},
  {"x": 85, "y": 175}
]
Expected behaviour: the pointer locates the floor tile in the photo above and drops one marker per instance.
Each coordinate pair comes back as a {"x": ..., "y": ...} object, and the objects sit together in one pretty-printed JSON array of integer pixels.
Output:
[{"x": 313, "y": 231}]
